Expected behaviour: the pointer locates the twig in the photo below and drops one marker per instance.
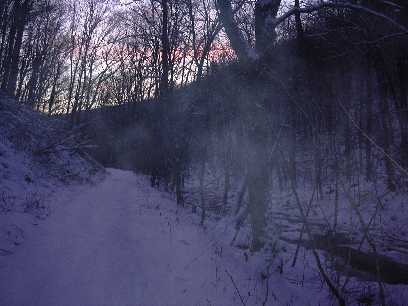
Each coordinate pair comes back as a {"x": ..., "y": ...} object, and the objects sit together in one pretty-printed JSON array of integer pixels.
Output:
[
  {"x": 236, "y": 288},
  {"x": 303, "y": 228},
  {"x": 267, "y": 293}
]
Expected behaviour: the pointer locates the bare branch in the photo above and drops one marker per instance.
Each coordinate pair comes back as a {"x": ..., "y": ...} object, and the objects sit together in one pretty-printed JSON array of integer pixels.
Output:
[{"x": 320, "y": 6}]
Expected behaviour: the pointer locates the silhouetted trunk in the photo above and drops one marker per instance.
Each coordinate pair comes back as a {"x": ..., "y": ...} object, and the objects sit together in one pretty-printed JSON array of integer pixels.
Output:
[
  {"x": 22, "y": 11},
  {"x": 51, "y": 101},
  {"x": 258, "y": 184},
  {"x": 387, "y": 136},
  {"x": 10, "y": 46},
  {"x": 402, "y": 108},
  {"x": 241, "y": 195},
  {"x": 369, "y": 126},
  {"x": 298, "y": 21},
  {"x": 292, "y": 143},
  {"x": 347, "y": 83},
  {"x": 336, "y": 191},
  {"x": 202, "y": 199},
  {"x": 32, "y": 84},
  {"x": 318, "y": 167},
  {"x": 179, "y": 189},
  {"x": 238, "y": 44},
  {"x": 265, "y": 33},
  {"x": 4, "y": 23},
  {"x": 227, "y": 176},
  {"x": 164, "y": 81}
]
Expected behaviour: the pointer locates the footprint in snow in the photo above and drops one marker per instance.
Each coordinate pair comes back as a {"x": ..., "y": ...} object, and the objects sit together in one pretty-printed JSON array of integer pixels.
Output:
[
  {"x": 4, "y": 252},
  {"x": 184, "y": 242}
]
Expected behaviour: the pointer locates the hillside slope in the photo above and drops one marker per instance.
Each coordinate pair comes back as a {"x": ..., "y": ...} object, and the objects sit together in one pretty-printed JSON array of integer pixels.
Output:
[{"x": 38, "y": 156}]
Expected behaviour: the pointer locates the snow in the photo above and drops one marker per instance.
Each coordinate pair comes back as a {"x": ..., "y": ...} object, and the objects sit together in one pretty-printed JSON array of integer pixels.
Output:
[
  {"x": 29, "y": 179},
  {"x": 120, "y": 242},
  {"x": 109, "y": 245}
]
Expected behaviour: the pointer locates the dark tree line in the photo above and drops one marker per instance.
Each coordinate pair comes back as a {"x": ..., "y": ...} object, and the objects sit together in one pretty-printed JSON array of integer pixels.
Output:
[
  {"x": 70, "y": 56},
  {"x": 14, "y": 18}
]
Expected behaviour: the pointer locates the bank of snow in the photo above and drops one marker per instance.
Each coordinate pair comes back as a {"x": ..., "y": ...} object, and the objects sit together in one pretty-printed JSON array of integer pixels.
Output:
[{"x": 38, "y": 155}]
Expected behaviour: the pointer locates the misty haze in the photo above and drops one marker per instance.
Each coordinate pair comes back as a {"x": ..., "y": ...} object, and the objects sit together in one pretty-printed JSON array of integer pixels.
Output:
[{"x": 203, "y": 152}]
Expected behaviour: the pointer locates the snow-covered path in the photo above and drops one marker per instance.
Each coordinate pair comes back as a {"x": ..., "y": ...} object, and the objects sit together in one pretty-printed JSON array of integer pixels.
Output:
[{"x": 119, "y": 243}]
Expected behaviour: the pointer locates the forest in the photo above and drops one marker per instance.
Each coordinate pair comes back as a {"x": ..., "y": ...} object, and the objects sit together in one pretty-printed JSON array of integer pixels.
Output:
[{"x": 283, "y": 122}]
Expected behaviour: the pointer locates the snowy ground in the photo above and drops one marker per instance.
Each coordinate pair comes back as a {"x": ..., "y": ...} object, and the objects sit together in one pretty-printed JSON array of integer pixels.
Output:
[
  {"x": 120, "y": 243},
  {"x": 38, "y": 156}
]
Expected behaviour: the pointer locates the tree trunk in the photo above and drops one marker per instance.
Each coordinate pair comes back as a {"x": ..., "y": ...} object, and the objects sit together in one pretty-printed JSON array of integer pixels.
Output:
[
  {"x": 202, "y": 199},
  {"x": 241, "y": 195},
  {"x": 22, "y": 15},
  {"x": 258, "y": 183},
  {"x": 265, "y": 13},
  {"x": 238, "y": 43},
  {"x": 402, "y": 108},
  {"x": 369, "y": 127},
  {"x": 298, "y": 20},
  {"x": 387, "y": 136},
  {"x": 164, "y": 80},
  {"x": 10, "y": 46}
]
